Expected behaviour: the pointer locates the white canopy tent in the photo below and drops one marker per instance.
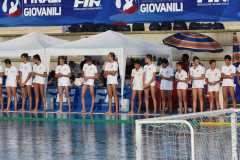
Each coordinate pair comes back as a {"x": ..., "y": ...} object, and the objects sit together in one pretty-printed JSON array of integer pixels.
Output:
[
  {"x": 103, "y": 43},
  {"x": 33, "y": 43}
]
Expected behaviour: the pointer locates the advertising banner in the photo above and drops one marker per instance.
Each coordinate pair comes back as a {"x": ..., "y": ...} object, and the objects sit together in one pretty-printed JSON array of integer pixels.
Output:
[{"x": 65, "y": 12}]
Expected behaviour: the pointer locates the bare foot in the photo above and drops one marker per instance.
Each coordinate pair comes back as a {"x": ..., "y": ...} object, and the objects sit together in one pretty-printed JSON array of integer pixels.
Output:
[
  {"x": 83, "y": 112},
  {"x": 23, "y": 110},
  {"x": 146, "y": 114},
  {"x": 109, "y": 113},
  {"x": 130, "y": 113}
]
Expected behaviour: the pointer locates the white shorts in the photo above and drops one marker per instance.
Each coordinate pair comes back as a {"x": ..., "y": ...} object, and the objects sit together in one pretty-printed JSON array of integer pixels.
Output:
[
  {"x": 166, "y": 86},
  {"x": 182, "y": 85},
  {"x": 112, "y": 81},
  {"x": 137, "y": 87},
  {"x": 198, "y": 84},
  {"x": 213, "y": 88},
  {"x": 11, "y": 84},
  {"x": 29, "y": 82},
  {"x": 64, "y": 84},
  {"x": 89, "y": 82}
]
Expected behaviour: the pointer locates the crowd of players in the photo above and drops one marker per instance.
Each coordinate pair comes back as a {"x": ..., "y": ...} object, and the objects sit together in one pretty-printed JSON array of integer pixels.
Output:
[{"x": 33, "y": 74}]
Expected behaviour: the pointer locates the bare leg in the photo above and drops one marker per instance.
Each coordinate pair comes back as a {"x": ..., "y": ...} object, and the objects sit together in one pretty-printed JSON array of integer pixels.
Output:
[
  {"x": 68, "y": 97},
  {"x": 24, "y": 95},
  {"x": 211, "y": 100},
  {"x": 115, "y": 97},
  {"x": 139, "y": 101},
  {"x": 42, "y": 93},
  {"x": 134, "y": 92},
  {"x": 194, "y": 99},
  {"x": 29, "y": 93},
  {"x": 14, "y": 93},
  {"x": 153, "y": 94},
  {"x": 163, "y": 96},
  {"x": 217, "y": 100},
  {"x": 232, "y": 93},
  {"x": 9, "y": 98},
  {"x": 84, "y": 89},
  {"x": 180, "y": 100},
  {"x": 146, "y": 97},
  {"x": 110, "y": 95},
  {"x": 184, "y": 93},
  {"x": 93, "y": 98},
  {"x": 36, "y": 92},
  {"x": 225, "y": 97},
  {"x": 169, "y": 100},
  {"x": 60, "y": 93},
  {"x": 200, "y": 94}
]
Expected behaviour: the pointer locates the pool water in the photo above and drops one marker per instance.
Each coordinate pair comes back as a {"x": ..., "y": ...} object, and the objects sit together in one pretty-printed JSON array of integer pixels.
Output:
[{"x": 28, "y": 137}]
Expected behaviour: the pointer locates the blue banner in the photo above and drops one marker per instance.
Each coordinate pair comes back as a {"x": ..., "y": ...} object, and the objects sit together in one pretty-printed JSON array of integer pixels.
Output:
[{"x": 64, "y": 12}]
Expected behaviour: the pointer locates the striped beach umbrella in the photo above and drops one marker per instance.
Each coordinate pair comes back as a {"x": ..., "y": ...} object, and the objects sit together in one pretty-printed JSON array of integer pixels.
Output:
[{"x": 194, "y": 42}]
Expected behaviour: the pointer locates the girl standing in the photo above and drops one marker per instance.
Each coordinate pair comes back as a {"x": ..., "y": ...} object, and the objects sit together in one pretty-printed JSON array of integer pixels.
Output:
[
  {"x": 25, "y": 72},
  {"x": 149, "y": 83},
  {"x": 39, "y": 74},
  {"x": 1, "y": 81},
  {"x": 90, "y": 74},
  {"x": 137, "y": 86},
  {"x": 213, "y": 78},
  {"x": 228, "y": 73},
  {"x": 197, "y": 76},
  {"x": 11, "y": 74},
  {"x": 166, "y": 86},
  {"x": 181, "y": 77},
  {"x": 63, "y": 74},
  {"x": 111, "y": 72}
]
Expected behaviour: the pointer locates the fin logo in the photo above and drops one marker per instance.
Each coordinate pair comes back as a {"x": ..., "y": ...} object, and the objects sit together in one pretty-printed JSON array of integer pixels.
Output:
[
  {"x": 212, "y": 2},
  {"x": 11, "y": 8},
  {"x": 87, "y": 4},
  {"x": 127, "y": 6}
]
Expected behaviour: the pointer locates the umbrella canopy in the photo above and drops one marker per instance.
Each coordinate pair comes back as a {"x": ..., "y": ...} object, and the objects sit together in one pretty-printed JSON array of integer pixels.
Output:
[{"x": 194, "y": 42}]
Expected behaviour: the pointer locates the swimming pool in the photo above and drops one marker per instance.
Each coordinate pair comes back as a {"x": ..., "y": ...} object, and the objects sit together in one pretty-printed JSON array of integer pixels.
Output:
[{"x": 66, "y": 137}]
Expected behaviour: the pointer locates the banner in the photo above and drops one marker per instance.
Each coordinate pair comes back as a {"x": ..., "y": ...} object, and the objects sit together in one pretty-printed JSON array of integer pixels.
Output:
[{"x": 65, "y": 12}]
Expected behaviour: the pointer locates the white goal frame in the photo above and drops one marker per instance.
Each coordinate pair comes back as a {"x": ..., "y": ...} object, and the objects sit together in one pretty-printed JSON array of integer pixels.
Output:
[{"x": 179, "y": 119}]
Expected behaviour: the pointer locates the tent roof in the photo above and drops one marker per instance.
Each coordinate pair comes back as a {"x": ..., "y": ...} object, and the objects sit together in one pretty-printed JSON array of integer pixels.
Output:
[
  {"x": 29, "y": 43},
  {"x": 107, "y": 40}
]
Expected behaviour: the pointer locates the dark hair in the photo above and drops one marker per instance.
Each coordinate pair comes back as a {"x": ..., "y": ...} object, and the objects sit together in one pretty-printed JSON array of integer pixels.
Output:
[
  {"x": 212, "y": 61},
  {"x": 88, "y": 59},
  {"x": 195, "y": 58},
  {"x": 64, "y": 58},
  {"x": 7, "y": 61},
  {"x": 179, "y": 63},
  {"x": 165, "y": 61},
  {"x": 37, "y": 57},
  {"x": 112, "y": 54},
  {"x": 149, "y": 56},
  {"x": 185, "y": 56},
  {"x": 24, "y": 55},
  {"x": 136, "y": 61},
  {"x": 227, "y": 57}
]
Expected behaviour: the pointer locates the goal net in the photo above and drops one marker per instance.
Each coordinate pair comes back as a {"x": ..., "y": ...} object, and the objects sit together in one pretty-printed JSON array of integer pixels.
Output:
[{"x": 199, "y": 136}]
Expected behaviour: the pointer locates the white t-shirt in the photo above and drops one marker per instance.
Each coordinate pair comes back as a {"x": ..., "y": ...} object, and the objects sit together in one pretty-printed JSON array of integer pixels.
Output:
[
  {"x": 228, "y": 70},
  {"x": 213, "y": 76},
  {"x": 137, "y": 76},
  {"x": 149, "y": 70},
  {"x": 11, "y": 74},
  {"x": 26, "y": 69},
  {"x": 168, "y": 73},
  {"x": 111, "y": 79},
  {"x": 1, "y": 71},
  {"x": 40, "y": 69},
  {"x": 197, "y": 73},
  {"x": 89, "y": 71},
  {"x": 182, "y": 75},
  {"x": 64, "y": 70}
]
